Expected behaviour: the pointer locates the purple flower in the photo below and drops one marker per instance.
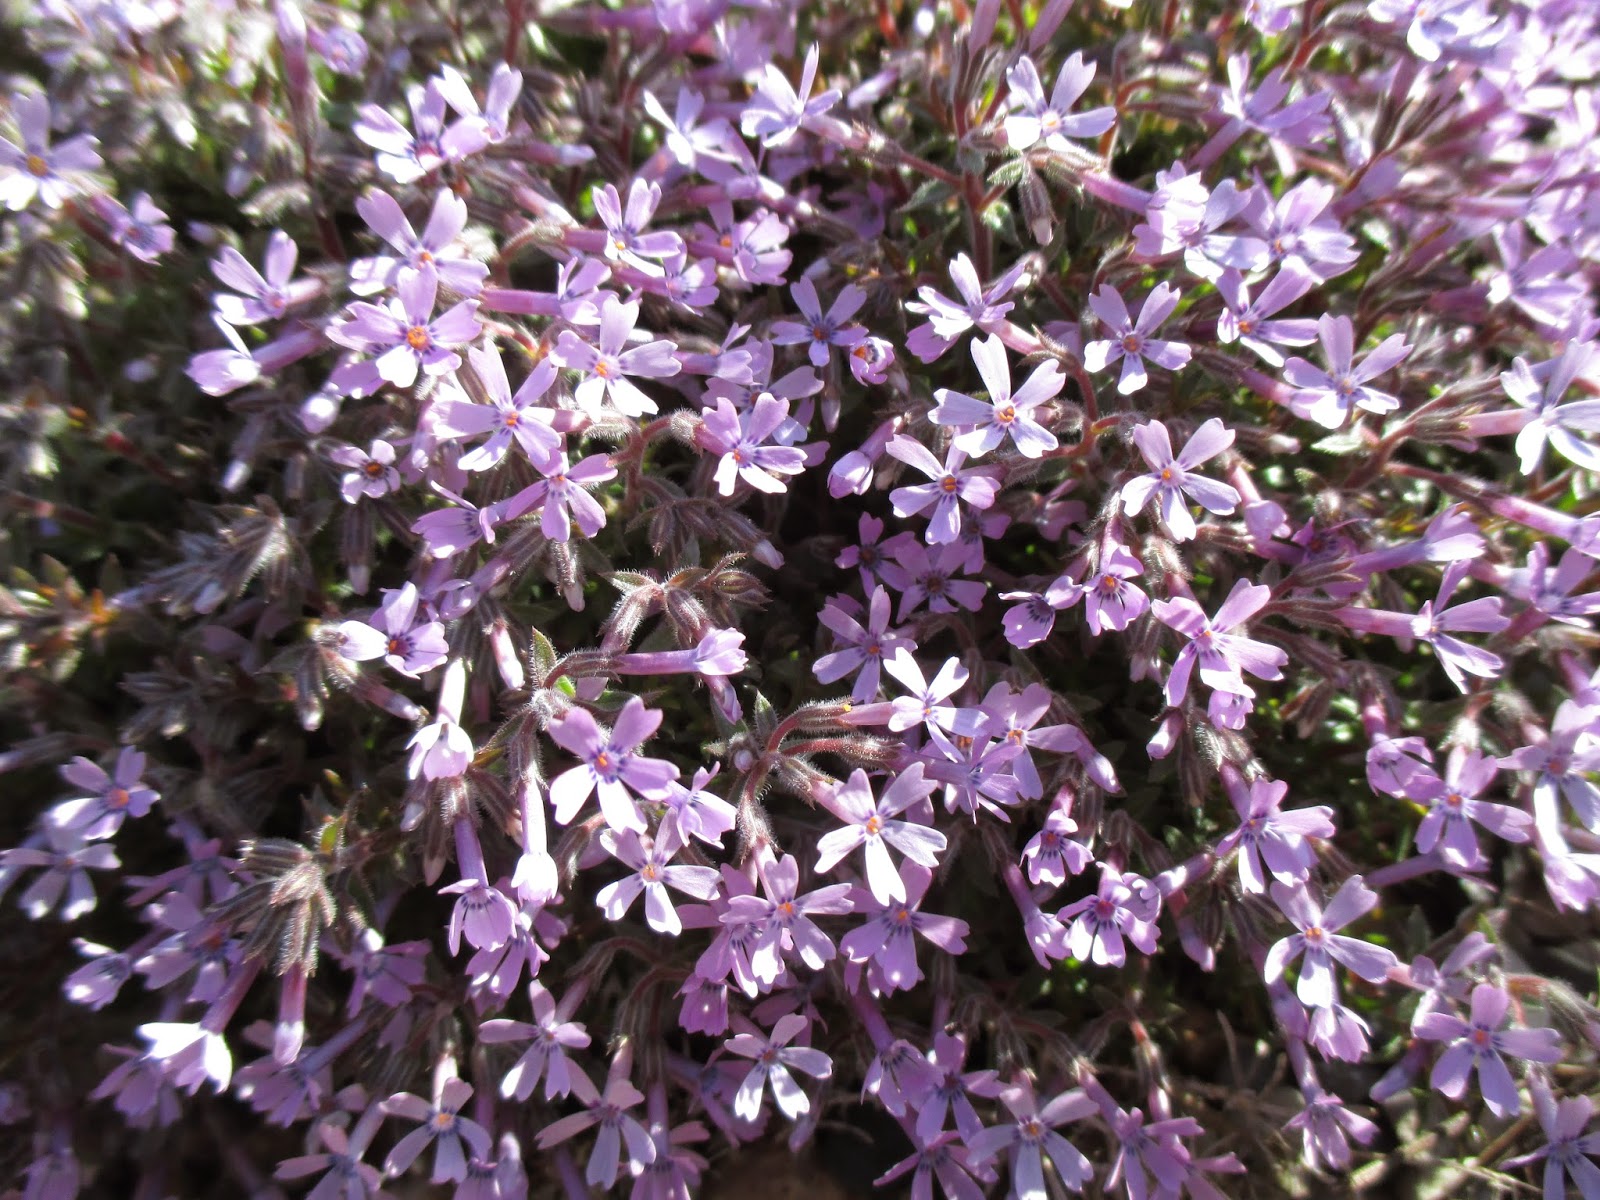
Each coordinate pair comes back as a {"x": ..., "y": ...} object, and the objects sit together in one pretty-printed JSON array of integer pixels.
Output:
[
  {"x": 618, "y": 1127},
  {"x": 1171, "y": 478},
  {"x": 1477, "y": 1045},
  {"x": 506, "y": 418},
  {"x": 1435, "y": 624},
  {"x": 1567, "y": 1147},
  {"x": 653, "y": 873},
  {"x": 697, "y": 812},
  {"x": 430, "y": 252},
  {"x": 610, "y": 765},
  {"x": 1540, "y": 389},
  {"x": 819, "y": 331},
  {"x": 953, "y": 483},
  {"x": 347, "y": 1176},
  {"x": 262, "y": 296},
  {"x": 551, "y": 1034},
  {"x": 866, "y": 648},
  {"x": 141, "y": 230},
  {"x": 947, "y": 1097},
  {"x": 1562, "y": 764},
  {"x": 875, "y": 558},
  {"x": 394, "y": 634},
  {"x": 111, "y": 798},
  {"x": 688, "y": 138},
  {"x": 1052, "y": 120},
  {"x": 1298, "y": 122},
  {"x": 442, "y": 1124},
  {"x": 1250, "y": 322},
  {"x": 980, "y": 308},
  {"x": 66, "y": 865},
  {"x": 406, "y": 158},
  {"x": 888, "y": 938},
  {"x": 783, "y": 919},
  {"x": 606, "y": 366},
  {"x": 563, "y": 499},
  {"x": 405, "y": 336},
  {"x": 37, "y": 169},
  {"x": 923, "y": 706},
  {"x": 1031, "y": 1135},
  {"x": 441, "y": 749},
  {"x": 1320, "y": 943},
  {"x": 1052, "y": 854},
  {"x": 870, "y": 824},
  {"x": 988, "y": 424},
  {"x": 1453, "y": 808},
  {"x": 1268, "y": 836},
  {"x": 1182, "y": 215},
  {"x": 931, "y": 577},
  {"x": 1327, "y": 1125},
  {"x": 371, "y": 473},
  {"x": 1122, "y": 907},
  {"x": 942, "y": 1158},
  {"x": 1549, "y": 591},
  {"x": 1130, "y": 339},
  {"x": 626, "y": 239},
  {"x": 776, "y": 111},
  {"x": 1012, "y": 716},
  {"x": 1222, "y": 655},
  {"x": 1327, "y": 397},
  {"x": 737, "y": 437},
  {"x": 774, "y": 1058},
  {"x": 1110, "y": 602}
]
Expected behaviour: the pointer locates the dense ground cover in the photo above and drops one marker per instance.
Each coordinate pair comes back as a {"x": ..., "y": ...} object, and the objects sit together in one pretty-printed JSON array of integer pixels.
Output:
[{"x": 988, "y": 598}]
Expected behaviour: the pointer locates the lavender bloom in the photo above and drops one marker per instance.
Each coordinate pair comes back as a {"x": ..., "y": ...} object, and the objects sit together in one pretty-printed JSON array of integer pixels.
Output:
[
  {"x": 688, "y": 138},
  {"x": 866, "y": 648},
  {"x": 1052, "y": 120},
  {"x": 441, "y": 749},
  {"x": 36, "y": 169},
  {"x": 1540, "y": 389},
  {"x": 626, "y": 239},
  {"x": 618, "y": 1128},
  {"x": 988, "y": 424},
  {"x": 442, "y": 1124},
  {"x": 737, "y": 437},
  {"x": 1298, "y": 122},
  {"x": 551, "y": 1034},
  {"x": 1549, "y": 591},
  {"x": 562, "y": 496},
  {"x": 1051, "y": 855},
  {"x": 1031, "y": 1135},
  {"x": 1327, "y": 397},
  {"x": 1453, "y": 808},
  {"x": 406, "y": 158},
  {"x": 819, "y": 331},
  {"x": 1435, "y": 624},
  {"x": 405, "y": 336},
  {"x": 1130, "y": 339},
  {"x": 1183, "y": 215},
  {"x": 1268, "y": 836},
  {"x": 947, "y": 1097},
  {"x": 1250, "y": 322},
  {"x": 1170, "y": 478},
  {"x": 981, "y": 308},
  {"x": 141, "y": 230},
  {"x": 888, "y": 938},
  {"x": 774, "y": 1058},
  {"x": 870, "y": 826},
  {"x": 138, "y": 1089},
  {"x": 1222, "y": 656},
  {"x": 610, "y": 765},
  {"x": 776, "y": 111},
  {"x": 430, "y": 252},
  {"x": 923, "y": 705},
  {"x": 783, "y": 919},
  {"x": 875, "y": 558},
  {"x": 1321, "y": 944},
  {"x": 446, "y": 532},
  {"x": 1122, "y": 907},
  {"x": 1109, "y": 601},
  {"x": 1012, "y": 717},
  {"x": 950, "y": 487},
  {"x": 394, "y": 634},
  {"x": 653, "y": 873},
  {"x": 931, "y": 578},
  {"x": 1433, "y": 28},
  {"x": 606, "y": 366},
  {"x": 1567, "y": 1148},
  {"x": 1562, "y": 764},
  {"x": 506, "y": 418},
  {"x": 1477, "y": 1045},
  {"x": 1293, "y": 234},
  {"x": 897, "y": 1075},
  {"x": 1327, "y": 1125},
  {"x": 347, "y": 1177},
  {"x": 1029, "y": 622},
  {"x": 943, "y": 1159},
  {"x": 371, "y": 473},
  {"x": 696, "y": 812},
  {"x": 264, "y": 295},
  {"x": 67, "y": 863},
  {"x": 111, "y": 798},
  {"x": 505, "y": 85}
]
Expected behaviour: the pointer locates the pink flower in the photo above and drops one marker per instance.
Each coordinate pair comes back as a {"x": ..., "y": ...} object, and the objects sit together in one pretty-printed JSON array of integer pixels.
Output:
[
  {"x": 1130, "y": 339},
  {"x": 653, "y": 873},
  {"x": 951, "y": 487},
  {"x": 551, "y": 1034},
  {"x": 1320, "y": 943},
  {"x": 774, "y": 1059},
  {"x": 111, "y": 798},
  {"x": 1052, "y": 120},
  {"x": 987, "y": 424},
  {"x": 610, "y": 765},
  {"x": 1221, "y": 655},
  {"x": 606, "y": 366},
  {"x": 817, "y": 330},
  {"x": 887, "y": 939},
  {"x": 1477, "y": 1045},
  {"x": 1171, "y": 477},
  {"x": 871, "y": 826}
]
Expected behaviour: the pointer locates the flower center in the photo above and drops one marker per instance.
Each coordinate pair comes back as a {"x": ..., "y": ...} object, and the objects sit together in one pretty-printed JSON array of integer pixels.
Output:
[
  {"x": 1454, "y": 800},
  {"x": 874, "y": 825},
  {"x": 1109, "y": 583},
  {"x": 417, "y": 337},
  {"x": 1131, "y": 343},
  {"x": 37, "y": 166},
  {"x": 1006, "y": 415},
  {"x": 948, "y": 484},
  {"x": 649, "y": 873},
  {"x": 118, "y": 798},
  {"x": 1166, "y": 474},
  {"x": 818, "y": 333},
  {"x": 1314, "y": 935},
  {"x": 602, "y": 761},
  {"x": 374, "y": 468},
  {"x": 603, "y": 369}
]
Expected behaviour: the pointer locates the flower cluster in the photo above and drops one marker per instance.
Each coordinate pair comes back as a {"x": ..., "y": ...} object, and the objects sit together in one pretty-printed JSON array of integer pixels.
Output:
[{"x": 592, "y": 586}]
